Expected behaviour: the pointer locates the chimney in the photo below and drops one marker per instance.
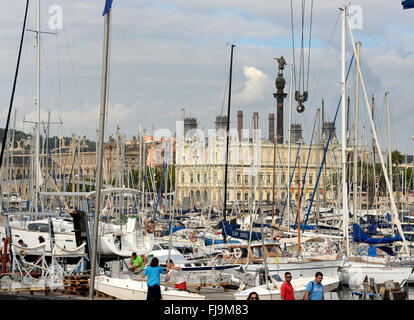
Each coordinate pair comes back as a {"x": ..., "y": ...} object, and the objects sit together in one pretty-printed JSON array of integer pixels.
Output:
[
  {"x": 296, "y": 132},
  {"x": 190, "y": 124},
  {"x": 271, "y": 126},
  {"x": 255, "y": 123},
  {"x": 221, "y": 125},
  {"x": 240, "y": 123}
]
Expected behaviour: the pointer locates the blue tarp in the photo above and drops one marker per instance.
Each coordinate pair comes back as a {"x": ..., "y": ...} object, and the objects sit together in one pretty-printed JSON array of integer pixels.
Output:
[
  {"x": 361, "y": 236},
  {"x": 372, "y": 251},
  {"x": 174, "y": 228},
  {"x": 231, "y": 230},
  {"x": 408, "y": 4}
]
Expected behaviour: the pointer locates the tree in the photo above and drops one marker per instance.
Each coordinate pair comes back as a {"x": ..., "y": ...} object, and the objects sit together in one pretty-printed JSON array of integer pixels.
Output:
[{"x": 396, "y": 157}]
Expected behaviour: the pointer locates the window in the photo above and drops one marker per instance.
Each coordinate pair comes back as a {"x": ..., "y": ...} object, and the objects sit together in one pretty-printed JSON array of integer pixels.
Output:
[
  {"x": 282, "y": 179},
  {"x": 268, "y": 179},
  {"x": 311, "y": 179},
  {"x": 198, "y": 177},
  {"x": 238, "y": 196},
  {"x": 182, "y": 178},
  {"x": 246, "y": 179},
  {"x": 191, "y": 178},
  {"x": 261, "y": 178},
  {"x": 205, "y": 178},
  {"x": 238, "y": 178}
]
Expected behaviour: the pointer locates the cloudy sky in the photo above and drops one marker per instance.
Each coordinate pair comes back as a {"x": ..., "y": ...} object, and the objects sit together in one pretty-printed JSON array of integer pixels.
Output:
[{"x": 169, "y": 55}]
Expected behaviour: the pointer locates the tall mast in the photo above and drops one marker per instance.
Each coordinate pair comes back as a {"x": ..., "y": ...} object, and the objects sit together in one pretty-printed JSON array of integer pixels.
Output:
[
  {"x": 37, "y": 163},
  {"x": 298, "y": 196},
  {"x": 100, "y": 147},
  {"x": 344, "y": 185},
  {"x": 289, "y": 131},
  {"x": 318, "y": 143},
  {"x": 387, "y": 95},
  {"x": 227, "y": 140},
  {"x": 355, "y": 180},
  {"x": 387, "y": 180}
]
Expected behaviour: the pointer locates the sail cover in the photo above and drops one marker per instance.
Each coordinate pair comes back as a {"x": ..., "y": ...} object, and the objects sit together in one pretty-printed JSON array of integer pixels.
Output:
[
  {"x": 231, "y": 230},
  {"x": 408, "y": 4},
  {"x": 361, "y": 236}
]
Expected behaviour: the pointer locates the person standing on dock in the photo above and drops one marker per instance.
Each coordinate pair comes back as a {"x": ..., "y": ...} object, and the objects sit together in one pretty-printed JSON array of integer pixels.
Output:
[
  {"x": 153, "y": 272},
  {"x": 314, "y": 289},
  {"x": 286, "y": 291},
  {"x": 177, "y": 276}
]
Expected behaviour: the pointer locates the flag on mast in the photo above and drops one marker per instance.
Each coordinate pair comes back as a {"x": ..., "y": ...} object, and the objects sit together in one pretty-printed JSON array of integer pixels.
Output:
[
  {"x": 408, "y": 4},
  {"x": 108, "y": 5}
]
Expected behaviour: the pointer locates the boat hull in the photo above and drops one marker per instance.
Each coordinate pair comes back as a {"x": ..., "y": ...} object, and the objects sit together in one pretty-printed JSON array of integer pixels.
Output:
[{"x": 128, "y": 289}]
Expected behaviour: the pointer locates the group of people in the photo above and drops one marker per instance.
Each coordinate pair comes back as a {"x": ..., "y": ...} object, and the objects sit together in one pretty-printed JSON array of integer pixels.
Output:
[
  {"x": 153, "y": 273},
  {"x": 313, "y": 291}
]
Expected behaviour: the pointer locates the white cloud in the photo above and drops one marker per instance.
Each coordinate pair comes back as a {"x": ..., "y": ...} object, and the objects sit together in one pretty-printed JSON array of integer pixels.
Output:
[{"x": 255, "y": 88}]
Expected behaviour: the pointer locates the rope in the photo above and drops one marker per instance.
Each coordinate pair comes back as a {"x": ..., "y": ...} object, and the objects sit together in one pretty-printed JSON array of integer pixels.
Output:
[
  {"x": 310, "y": 41},
  {"x": 307, "y": 166},
  {"x": 326, "y": 149},
  {"x": 14, "y": 87}
]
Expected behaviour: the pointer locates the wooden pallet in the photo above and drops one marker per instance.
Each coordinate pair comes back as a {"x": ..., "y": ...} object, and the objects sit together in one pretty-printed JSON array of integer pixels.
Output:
[{"x": 76, "y": 284}]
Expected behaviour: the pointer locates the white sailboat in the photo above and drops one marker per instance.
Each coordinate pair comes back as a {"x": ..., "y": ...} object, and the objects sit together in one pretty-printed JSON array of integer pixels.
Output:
[{"x": 130, "y": 289}]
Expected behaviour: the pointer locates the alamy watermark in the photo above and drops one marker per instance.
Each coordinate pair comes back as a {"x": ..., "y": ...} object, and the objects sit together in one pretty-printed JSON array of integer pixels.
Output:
[
  {"x": 196, "y": 147},
  {"x": 356, "y": 19},
  {"x": 56, "y": 20}
]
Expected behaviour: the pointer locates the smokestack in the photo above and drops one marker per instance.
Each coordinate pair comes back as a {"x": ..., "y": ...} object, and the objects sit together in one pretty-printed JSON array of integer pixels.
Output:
[
  {"x": 255, "y": 123},
  {"x": 271, "y": 126},
  {"x": 240, "y": 123}
]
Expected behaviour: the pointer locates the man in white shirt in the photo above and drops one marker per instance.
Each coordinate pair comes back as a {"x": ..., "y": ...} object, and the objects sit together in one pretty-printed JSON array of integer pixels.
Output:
[{"x": 176, "y": 274}]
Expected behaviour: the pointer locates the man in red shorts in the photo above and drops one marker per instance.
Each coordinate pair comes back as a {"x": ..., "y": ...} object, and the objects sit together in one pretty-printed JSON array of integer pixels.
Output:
[
  {"x": 286, "y": 291},
  {"x": 176, "y": 274}
]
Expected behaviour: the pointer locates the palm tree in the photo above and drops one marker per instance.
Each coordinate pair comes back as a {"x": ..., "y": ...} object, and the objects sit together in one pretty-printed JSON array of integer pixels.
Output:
[{"x": 396, "y": 157}]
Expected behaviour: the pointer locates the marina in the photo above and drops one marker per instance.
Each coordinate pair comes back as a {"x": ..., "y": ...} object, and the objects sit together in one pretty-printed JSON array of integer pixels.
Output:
[{"x": 185, "y": 213}]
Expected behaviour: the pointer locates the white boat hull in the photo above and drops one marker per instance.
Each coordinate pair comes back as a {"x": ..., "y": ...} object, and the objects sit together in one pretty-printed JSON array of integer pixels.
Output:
[
  {"x": 129, "y": 289},
  {"x": 299, "y": 287},
  {"x": 354, "y": 273}
]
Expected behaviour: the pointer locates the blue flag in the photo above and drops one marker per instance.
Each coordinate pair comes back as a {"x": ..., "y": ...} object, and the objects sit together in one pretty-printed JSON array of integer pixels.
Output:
[
  {"x": 108, "y": 5},
  {"x": 408, "y": 4}
]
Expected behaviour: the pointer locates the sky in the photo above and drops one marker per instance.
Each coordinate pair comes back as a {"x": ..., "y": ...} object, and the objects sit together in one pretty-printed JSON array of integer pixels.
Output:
[{"x": 170, "y": 55}]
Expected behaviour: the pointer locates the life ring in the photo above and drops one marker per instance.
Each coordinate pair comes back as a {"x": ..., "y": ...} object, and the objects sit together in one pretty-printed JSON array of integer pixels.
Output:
[
  {"x": 237, "y": 253},
  {"x": 218, "y": 233},
  {"x": 193, "y": 237},
  {"x": 147, "y": 226},
  {"x": 277, "y": 237}
]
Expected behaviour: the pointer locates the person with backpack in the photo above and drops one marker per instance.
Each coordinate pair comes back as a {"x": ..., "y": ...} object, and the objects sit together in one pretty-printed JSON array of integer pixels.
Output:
[{"x": 314, "y": 289}]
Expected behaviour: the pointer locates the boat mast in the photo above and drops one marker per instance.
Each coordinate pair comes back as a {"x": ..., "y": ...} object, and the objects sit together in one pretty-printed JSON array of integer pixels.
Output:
[
  {"x": 37, "y": 164},
  {"x": 298, "y": 196},
  {"x": 292, "y": 68},
  {"x": 344, "y": 185},
  {"x": 387, "y": 180},
  {"x": 227, "y": 141},
  {"x": 387, "y": 95},
  {"x": 100, "y": 149},
  {"x": 355, "y": 180}
]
